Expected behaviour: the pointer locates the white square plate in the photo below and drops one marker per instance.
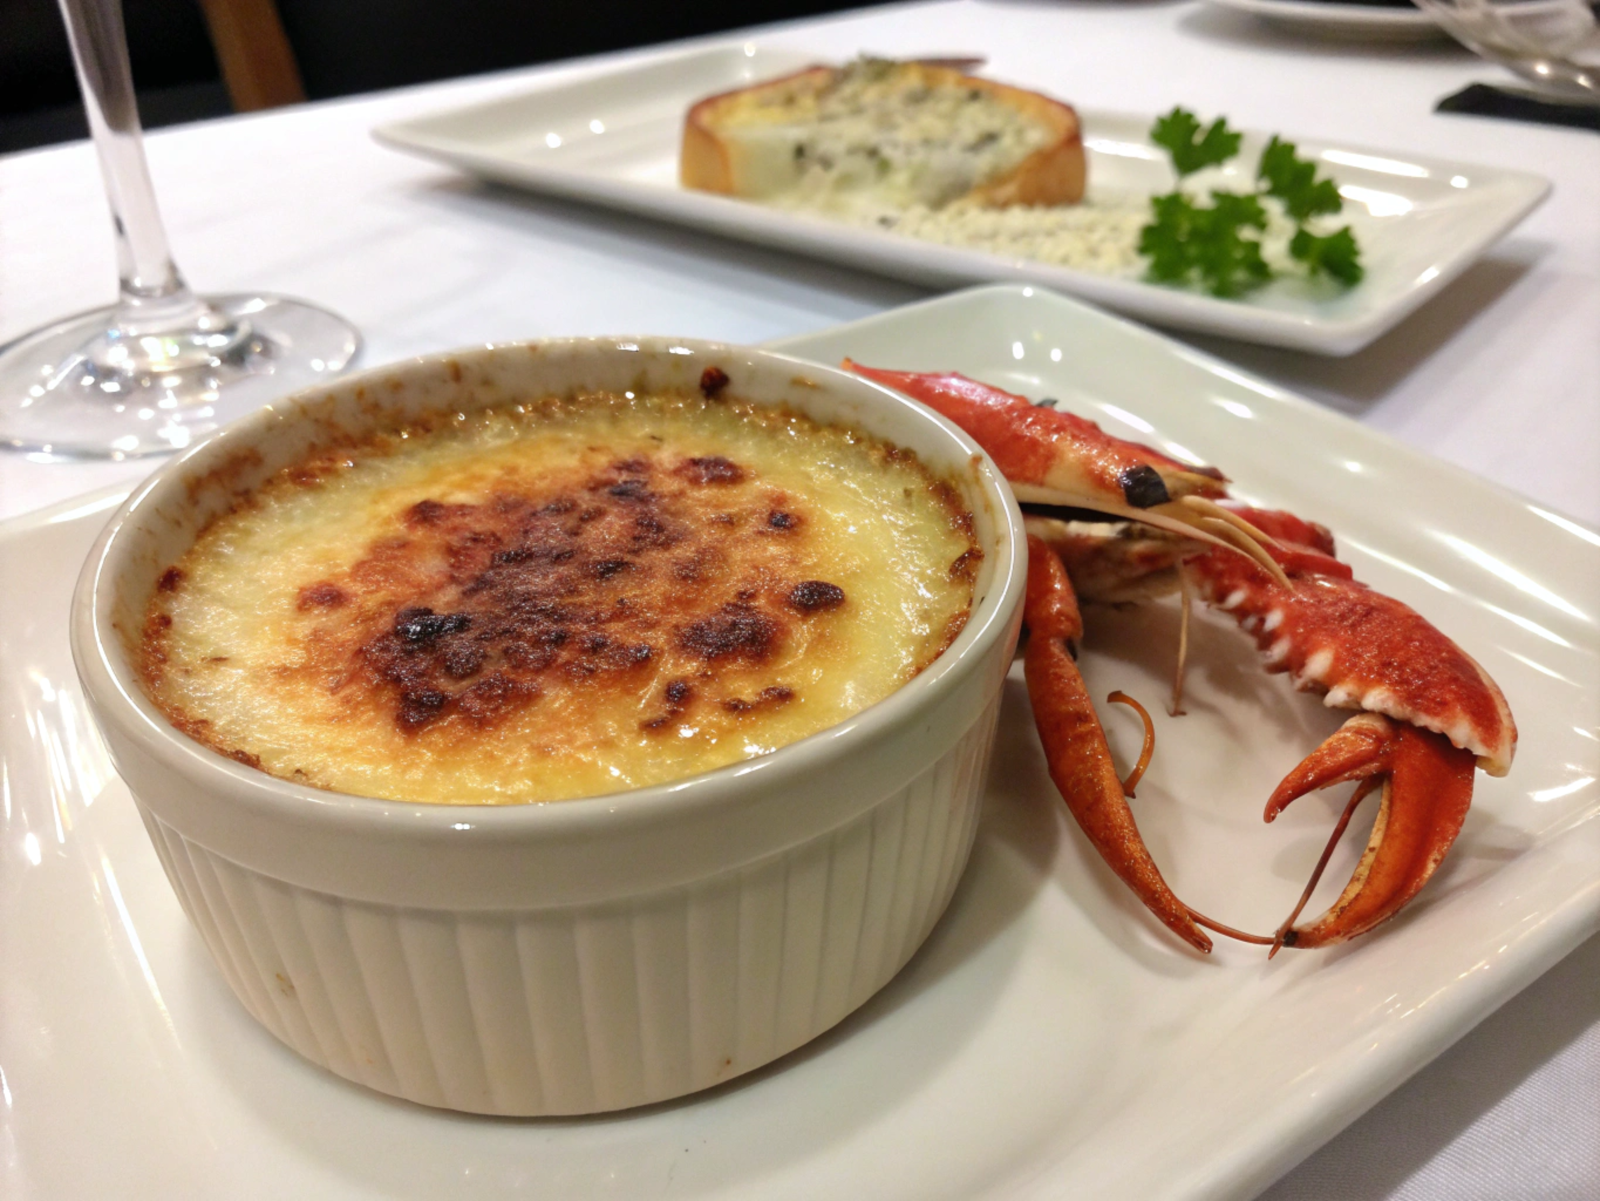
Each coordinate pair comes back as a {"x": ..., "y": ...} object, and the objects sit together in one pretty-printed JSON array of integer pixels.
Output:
[
  {"x": 612, "y": 139},
  {"x": 1346, "y": 22},
  {"x": 1050, "y": 1040}
]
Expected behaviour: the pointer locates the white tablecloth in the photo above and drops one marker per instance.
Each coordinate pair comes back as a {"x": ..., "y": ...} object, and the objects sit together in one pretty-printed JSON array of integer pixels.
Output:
[{"x": 1500, "y": 374}]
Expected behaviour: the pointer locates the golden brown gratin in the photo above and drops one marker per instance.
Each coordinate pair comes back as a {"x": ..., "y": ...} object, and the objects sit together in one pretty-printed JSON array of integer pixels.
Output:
[{"x": 559, "y": 598}]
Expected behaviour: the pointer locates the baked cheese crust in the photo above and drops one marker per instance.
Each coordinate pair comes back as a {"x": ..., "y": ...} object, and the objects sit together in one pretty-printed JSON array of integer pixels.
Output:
[{"x": 560, "y": 598}]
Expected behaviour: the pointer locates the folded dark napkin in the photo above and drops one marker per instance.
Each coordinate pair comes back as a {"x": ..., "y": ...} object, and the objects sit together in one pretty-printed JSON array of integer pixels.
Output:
[{"x": 1483, "y": 100}]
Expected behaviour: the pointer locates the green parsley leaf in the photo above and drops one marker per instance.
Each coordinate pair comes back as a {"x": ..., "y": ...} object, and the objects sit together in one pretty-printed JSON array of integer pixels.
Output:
[
  {"x": 1176, "y": 132},
  {"x": 1165, "y": 241},
  {"x": 1335, "y": 255},
  {"x": 1217, "y": 246},
  {"x": 1294, "y": 181},
  {"x": 1230, "y": 263},
  {"x": 1188, "y": 241}
]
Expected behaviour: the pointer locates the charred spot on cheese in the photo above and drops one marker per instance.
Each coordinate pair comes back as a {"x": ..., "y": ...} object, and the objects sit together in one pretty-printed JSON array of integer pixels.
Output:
[
  {"x": 810, "y": 596},
  {"x": 323, "y": 595},
  {"x": 965, "y": 566},
  {"x": 677, "y": 695},
  {"x": 777, "y": 694},
  {"x": 424, "y": 512},
  {"x": 736, "y": 629},
  {"x": 711, "y": 469},
  {"x": 568, "y": 596},
  {"x": 712, "y": 381}
]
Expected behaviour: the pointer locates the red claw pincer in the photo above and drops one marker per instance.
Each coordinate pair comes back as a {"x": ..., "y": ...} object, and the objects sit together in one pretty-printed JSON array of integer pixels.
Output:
[
  {"x": 1427, "y": 789},
  {"x": 1430, "y": 715}
]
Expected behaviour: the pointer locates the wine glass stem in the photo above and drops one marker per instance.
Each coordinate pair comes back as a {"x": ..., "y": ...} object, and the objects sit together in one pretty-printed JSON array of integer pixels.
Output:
[{"x": 153, "y": 295}]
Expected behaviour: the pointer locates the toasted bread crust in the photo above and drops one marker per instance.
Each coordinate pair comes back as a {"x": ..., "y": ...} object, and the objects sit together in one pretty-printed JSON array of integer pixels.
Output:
[
  {"x": 706, "y": 162},
  {"x": 1054, "y": 174}
]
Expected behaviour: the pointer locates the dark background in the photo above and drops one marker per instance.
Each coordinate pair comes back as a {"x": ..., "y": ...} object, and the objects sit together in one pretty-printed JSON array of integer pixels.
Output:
[{"x": 342, "y": 47}]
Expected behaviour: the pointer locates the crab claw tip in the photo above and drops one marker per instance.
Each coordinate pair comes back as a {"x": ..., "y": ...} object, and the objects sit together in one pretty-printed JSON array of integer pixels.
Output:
[
  {"x": 1354, "y": 751},
  {"x": 1427, "y": 789}
]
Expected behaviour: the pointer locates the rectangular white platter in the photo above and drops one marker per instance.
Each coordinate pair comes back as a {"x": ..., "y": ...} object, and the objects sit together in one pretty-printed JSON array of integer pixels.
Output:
[
  {"x": 1050, "y": 1040},
  {"x": 612, "y": 139}
]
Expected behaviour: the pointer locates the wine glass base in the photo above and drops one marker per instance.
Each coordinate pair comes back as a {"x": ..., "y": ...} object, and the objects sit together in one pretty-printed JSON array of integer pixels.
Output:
[
  {"x": 71, "y": 390},
  {"x": 1579, "y": 89},
  {"x": 1546, "y": 95}
]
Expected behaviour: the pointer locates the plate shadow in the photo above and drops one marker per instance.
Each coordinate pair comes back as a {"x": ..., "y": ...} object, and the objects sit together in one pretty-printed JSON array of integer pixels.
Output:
[{"x": 1353, "y": 384}]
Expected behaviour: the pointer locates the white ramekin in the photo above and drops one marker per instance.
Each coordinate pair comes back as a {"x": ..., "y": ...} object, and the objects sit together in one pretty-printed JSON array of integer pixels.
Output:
[{"x": 582, "y": 955}]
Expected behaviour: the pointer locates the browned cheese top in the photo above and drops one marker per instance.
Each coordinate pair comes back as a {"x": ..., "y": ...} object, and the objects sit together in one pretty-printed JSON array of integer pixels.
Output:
[{"x": 560, "y": 598}]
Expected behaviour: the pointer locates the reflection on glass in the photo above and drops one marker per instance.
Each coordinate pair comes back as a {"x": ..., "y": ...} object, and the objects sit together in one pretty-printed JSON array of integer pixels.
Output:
[
  {"x": 1553, "y": 44},
  {"x": 162, "y": 366}
]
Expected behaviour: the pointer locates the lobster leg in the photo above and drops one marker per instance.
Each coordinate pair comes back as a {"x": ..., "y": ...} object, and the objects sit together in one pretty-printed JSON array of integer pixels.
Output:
[
  {"x": 1427, "y": 788},
  {"x": 1075, "y": 745}
]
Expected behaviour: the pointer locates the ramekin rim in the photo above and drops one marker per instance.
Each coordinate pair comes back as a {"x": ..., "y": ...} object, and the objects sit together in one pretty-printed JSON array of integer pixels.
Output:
[{"x": 112, "y": 689}]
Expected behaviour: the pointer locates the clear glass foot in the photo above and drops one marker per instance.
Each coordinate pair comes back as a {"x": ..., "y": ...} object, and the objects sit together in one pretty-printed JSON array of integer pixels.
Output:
[
  {"x": 1553, "y": 44},
  {"x": 101, "y": 385}
]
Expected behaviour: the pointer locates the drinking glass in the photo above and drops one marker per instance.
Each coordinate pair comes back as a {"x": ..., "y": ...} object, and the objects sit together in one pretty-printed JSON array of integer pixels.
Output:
[
  {"x": 1553, "y": 44},
  {"x": 162, "y": 366}
]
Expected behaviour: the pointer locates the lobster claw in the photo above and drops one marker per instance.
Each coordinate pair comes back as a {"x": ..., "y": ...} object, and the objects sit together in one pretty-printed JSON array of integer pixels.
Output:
[
  {"x": 1277, "y": 575},
  {"x": 1427, "y": 788}
]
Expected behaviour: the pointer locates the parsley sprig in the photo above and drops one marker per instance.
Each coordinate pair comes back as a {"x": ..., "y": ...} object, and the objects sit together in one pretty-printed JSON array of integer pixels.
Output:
[{"x": 1218, "y": 245}]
